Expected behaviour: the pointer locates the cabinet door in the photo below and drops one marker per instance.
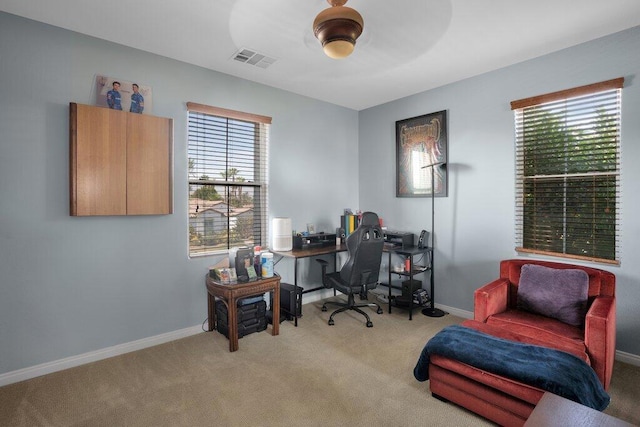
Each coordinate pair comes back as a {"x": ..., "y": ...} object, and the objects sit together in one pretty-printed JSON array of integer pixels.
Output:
[
  {"x": 149, "y": 146},
  {"x": 97, "y": 161}
]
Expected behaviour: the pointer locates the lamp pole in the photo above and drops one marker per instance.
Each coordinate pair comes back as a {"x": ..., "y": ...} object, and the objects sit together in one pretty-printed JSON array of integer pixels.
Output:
[{"x": 432, "y": 311}]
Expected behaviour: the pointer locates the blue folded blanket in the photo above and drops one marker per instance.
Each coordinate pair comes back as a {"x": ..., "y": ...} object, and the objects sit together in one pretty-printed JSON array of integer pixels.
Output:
[{"x": 546, "y": 368}]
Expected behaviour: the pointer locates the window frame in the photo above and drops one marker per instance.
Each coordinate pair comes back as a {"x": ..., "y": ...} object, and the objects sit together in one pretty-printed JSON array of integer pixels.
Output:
[
  {"x": 563, "y": 179},
  {"x": 257, "y": 187}
]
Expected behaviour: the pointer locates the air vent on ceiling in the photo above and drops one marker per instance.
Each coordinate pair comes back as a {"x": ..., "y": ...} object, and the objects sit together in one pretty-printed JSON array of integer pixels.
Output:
[{"x": 252, "y": 57}]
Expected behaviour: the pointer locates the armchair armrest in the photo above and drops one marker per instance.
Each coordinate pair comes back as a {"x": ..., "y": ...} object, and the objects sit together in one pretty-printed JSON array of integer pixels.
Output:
[
  {"x": 600, "y": 337},
  {"x": 490, "y": 299}
]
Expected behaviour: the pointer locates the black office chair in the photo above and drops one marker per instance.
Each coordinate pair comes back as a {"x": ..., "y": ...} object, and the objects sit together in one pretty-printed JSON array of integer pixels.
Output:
[{"x": 360, "y": 272}]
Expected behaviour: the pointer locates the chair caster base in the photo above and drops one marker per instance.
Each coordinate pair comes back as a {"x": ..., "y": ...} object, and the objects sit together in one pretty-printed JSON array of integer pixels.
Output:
[
  {"x": 324, "y": 308},
  {"x": 369, "y": 324},
  {"x": 379, "y": 311},
  {"x": 331, "y": 322}
]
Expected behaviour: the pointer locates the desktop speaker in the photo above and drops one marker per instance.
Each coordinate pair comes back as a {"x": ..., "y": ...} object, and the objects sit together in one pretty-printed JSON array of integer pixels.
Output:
[
  {"x": 241, "y": 258},
  {"x": 409, "y": 287},
  {"x": 282, "y": 238}
]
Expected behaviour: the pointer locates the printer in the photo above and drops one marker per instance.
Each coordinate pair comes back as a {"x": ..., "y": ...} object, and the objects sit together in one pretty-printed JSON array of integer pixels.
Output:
[{"x": 398, "y": 238}]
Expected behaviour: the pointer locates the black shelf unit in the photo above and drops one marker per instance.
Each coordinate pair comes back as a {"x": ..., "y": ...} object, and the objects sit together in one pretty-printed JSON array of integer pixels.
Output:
[{"x": 409, "y": 253}]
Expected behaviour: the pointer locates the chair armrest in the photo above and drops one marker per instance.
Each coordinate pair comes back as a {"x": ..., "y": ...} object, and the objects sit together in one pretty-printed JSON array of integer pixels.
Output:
[
  {"x": 490, "y": 299},
  {"x": 323, "y": 265},
  {"x": 600, "y": 337},
  {"x": 322, "y": 262}
]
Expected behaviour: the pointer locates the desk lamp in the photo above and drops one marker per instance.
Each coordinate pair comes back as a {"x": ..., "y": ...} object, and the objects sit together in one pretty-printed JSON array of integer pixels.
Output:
[{"x": 431, "y": 311}]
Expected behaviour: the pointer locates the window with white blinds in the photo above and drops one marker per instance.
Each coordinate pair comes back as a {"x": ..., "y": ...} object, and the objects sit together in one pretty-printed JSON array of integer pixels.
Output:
[
  {"x": 228, "y": 179},
  {"x": 568, "y": 172}
]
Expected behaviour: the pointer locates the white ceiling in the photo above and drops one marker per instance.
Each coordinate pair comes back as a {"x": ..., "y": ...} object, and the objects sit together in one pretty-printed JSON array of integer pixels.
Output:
[{"x": 408, "y": 46}]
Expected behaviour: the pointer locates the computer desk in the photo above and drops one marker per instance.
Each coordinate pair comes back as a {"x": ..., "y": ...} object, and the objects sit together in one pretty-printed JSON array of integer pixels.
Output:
[
  {"x": 410, "y": 252},
  {"x": 297, "y": 254}
]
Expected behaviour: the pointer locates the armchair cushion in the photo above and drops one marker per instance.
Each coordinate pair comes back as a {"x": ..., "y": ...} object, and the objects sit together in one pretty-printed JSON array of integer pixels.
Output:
[
  {"x": 557, "y": 293},
  {"x": 535, "y": 329}
]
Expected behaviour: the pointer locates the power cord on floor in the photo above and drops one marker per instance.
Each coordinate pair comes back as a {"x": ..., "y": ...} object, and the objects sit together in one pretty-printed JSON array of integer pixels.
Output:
[{"x": 380, "y": 296}]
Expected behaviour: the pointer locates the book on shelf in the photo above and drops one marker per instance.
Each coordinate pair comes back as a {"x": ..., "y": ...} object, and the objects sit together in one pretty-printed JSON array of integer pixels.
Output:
[{"x": 349, "y": 223}]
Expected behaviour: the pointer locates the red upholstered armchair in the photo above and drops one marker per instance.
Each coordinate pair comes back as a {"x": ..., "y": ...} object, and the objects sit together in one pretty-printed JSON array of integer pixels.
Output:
[
  {"x": 496, "y": 304},
  {"x": 507, "y": 401}
]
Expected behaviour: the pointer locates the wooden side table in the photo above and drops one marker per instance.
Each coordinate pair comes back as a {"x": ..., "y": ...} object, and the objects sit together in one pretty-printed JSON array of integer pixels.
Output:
[
  {"x": 231, "y": 293},
  {"x": 553, "y": 410}
]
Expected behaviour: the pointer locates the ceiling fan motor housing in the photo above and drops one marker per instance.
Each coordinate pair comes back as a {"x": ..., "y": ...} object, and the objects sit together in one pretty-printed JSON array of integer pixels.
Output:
[{"x": 339, "y": 26}]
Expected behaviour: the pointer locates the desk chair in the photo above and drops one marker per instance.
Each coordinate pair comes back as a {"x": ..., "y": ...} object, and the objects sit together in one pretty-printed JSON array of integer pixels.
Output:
[{"x": 360, "y": 272}]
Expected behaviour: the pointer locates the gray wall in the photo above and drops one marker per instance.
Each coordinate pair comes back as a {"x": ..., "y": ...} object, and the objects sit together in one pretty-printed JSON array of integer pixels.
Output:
[
  {"x": 474, "y": 225},
  {"x": 69, "y": 285}
]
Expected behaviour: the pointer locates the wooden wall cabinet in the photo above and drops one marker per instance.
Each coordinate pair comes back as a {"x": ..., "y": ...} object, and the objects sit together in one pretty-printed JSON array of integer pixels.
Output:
[{"x": 120, "y": 163}]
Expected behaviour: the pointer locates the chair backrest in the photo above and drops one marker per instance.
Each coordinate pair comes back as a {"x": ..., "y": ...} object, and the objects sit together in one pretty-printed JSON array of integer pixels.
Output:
[{"x": 365, "y": 246}]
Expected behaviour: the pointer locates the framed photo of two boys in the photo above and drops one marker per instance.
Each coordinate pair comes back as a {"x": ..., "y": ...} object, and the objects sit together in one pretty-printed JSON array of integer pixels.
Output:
[
  {"x": 421, "y": 146},
  {"x": 118, "y": 94}
]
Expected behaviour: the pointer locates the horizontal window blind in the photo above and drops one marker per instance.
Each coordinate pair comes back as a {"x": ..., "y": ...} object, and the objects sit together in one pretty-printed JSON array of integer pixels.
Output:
[
  {"x": 228, "y": 179},
  {"x": 568, "y": 173}
]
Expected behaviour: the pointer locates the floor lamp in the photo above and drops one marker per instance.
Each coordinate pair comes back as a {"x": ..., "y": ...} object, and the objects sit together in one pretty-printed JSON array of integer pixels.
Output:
[{"x": 432, "y": 311}]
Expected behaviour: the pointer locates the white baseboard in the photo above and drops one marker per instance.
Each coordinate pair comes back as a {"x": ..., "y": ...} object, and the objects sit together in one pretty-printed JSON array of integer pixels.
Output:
[
  {"x": 93, "y": 356},
  {"x": 105, "y": 353},
  {"x": 631, "y": 359},
  {"x": 456, "y": 311}
]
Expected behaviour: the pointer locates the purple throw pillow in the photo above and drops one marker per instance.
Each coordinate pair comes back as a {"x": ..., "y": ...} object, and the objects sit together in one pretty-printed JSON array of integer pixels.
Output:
[{"x": 558, "y": 293}]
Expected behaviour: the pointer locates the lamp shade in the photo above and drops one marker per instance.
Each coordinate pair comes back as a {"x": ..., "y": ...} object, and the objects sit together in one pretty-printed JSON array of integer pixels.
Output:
[{"x": 337, "y": 28}]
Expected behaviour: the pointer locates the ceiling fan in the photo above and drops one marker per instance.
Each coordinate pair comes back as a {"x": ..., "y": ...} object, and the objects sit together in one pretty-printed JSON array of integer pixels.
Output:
[{"x": 337, "y": 28}]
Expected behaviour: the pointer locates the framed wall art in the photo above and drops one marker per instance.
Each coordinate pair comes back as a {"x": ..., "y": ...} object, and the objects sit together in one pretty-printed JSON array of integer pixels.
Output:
[
  {"x": 123, "y": 95},
  {"x": 422, "y": 141}
]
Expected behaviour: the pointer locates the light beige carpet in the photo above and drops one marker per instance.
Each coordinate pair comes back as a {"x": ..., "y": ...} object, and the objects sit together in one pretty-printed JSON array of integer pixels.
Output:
[{"x": 312, "y": 375}]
